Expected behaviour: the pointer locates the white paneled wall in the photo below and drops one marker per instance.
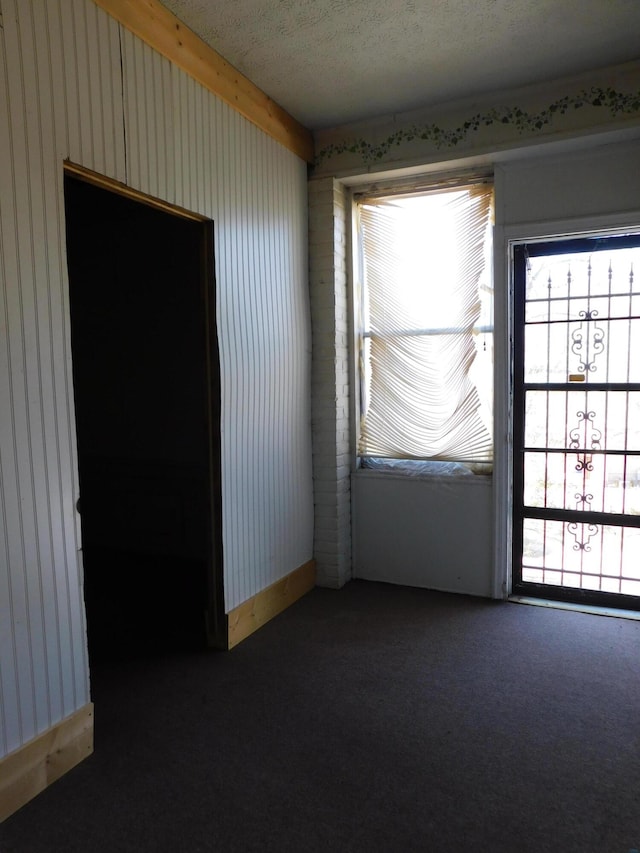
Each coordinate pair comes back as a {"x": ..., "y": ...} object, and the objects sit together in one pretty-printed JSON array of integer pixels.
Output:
[{"x": 74, "y": 84}]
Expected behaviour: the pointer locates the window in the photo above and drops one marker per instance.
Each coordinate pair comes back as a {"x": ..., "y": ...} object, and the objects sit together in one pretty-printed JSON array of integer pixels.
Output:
[{"x": 424, "y": 326}]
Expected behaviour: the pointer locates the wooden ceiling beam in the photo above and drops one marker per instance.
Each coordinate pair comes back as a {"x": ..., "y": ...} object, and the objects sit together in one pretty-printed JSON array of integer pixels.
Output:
[{"x": 159, "y": 28}]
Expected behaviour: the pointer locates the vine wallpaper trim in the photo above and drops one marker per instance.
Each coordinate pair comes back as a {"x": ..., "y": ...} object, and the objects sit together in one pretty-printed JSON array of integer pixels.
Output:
[{"x": 617, "y": 103}]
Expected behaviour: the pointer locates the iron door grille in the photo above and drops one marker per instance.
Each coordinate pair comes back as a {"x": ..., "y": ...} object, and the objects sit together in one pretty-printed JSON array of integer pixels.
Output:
[{"x": 576, "y": 424}]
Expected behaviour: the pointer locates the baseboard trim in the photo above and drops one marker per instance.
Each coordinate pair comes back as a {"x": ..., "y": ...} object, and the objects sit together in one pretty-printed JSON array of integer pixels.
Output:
[
  {"x": 31, "y": 768},
  {"x": 256, "y": 611}
]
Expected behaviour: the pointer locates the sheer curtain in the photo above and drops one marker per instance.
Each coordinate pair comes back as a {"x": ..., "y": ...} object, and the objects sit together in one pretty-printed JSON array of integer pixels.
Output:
[{"x": 425, "y": 307}]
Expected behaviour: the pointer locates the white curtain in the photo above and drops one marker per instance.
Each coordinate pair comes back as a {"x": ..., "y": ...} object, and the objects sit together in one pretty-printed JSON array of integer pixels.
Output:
[{"x": 423, "y": 259}]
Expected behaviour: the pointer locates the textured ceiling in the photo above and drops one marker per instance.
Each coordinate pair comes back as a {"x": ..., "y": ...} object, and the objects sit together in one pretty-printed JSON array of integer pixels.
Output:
[{"x": 328, "y": 62}]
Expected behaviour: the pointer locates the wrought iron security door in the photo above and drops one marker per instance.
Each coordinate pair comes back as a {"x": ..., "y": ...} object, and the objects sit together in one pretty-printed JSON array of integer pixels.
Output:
[{"x": 576, "y": 476}]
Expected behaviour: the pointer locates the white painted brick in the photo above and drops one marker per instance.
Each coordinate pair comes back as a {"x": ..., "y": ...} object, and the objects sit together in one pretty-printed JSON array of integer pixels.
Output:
[
  {"x": 328, "y": 541},
  {"x": 322, "y": 269},
  {"x": 327, "y": 368},
  {"x": 329, "y": 547},
  {"x": 341, "y": 318},
  {"x": 320, "y": 212},
  {"x": 321, "y": 195},
  {"x": 329, "y": 210},
  {"x": 327, "y": 581},
  {"x": 326, "y": 449},
  {"x": 323, "y": 488},
  {"x": 326, "y": 474},
  {"x": 325, "y": 371},
  {"x": 324, "y": 350},
  {"x": 324, "y": 298},
  {"x": 328, "y": 513}
]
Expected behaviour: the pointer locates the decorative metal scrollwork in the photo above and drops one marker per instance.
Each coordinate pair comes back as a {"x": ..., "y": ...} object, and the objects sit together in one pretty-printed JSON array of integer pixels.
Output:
[
  {"x": 587, "y": 342},
  {"x": 583, "y": 501},
  {"x": 583, "y": 534},
  {"x": 579, "y": 437}
]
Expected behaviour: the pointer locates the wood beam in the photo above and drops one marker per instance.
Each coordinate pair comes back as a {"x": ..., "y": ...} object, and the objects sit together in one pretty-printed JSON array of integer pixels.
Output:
[{"x": 159, "y": 28}]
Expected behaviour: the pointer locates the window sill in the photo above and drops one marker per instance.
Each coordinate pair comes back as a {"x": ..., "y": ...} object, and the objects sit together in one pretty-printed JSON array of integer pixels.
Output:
[{"x": 470, "y": 480}]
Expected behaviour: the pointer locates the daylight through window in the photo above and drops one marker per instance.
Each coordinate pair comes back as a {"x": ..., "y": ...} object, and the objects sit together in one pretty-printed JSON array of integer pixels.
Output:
[{"x": 425, "y": 326}]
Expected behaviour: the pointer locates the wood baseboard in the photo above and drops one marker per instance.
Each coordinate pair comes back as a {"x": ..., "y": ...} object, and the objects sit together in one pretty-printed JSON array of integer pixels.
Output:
[
  {"x": 255, "y": 612},
  {"x": 34, "y": 766}
]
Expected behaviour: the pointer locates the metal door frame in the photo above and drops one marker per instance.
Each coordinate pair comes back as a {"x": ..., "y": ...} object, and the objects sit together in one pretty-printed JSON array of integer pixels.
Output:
[{"x": 521, "y": 249}]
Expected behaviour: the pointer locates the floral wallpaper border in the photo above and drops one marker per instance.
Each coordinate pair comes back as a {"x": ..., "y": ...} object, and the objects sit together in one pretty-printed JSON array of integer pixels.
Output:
[{"x": 617, "y": 103}]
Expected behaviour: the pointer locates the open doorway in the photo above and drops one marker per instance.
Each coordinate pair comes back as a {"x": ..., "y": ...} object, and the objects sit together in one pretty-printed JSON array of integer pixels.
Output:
[{"x": 147, "y": 397}]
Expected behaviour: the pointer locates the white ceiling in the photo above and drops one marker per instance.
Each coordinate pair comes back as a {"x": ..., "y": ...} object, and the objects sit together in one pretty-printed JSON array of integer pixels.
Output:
[{"x": 329, "y": 62}]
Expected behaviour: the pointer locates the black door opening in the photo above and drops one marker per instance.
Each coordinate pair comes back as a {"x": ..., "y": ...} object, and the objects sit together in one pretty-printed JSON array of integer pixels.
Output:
[{"x": 147, "y": 397}]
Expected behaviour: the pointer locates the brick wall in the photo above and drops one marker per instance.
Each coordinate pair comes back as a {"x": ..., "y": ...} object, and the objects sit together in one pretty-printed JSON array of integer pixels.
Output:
[{"x": 330, "y": 380}]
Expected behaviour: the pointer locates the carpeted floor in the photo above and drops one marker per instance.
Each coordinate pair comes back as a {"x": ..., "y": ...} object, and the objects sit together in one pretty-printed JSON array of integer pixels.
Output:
[{"x": 375, "y": 718}]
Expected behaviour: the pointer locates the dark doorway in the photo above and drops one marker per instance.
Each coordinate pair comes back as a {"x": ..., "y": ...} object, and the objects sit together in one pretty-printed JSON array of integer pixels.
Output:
[{"x": 147, "y": 397}]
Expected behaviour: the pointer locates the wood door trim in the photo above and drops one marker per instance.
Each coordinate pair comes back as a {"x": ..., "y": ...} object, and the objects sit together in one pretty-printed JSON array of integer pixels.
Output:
[{"x": 84, "y": 174}]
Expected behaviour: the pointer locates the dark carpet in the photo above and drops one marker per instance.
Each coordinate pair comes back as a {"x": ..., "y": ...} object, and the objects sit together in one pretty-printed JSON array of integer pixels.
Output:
[{"x": 376, "y": 718}]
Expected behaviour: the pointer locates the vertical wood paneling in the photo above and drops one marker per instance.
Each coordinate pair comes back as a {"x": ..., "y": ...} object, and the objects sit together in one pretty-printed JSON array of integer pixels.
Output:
[
  {"x": 54, "y": 566},
  {"x": 266, "y": 363},
  {"x": 74, "y": 85},
  {"x": 19, "y": 242},
  {"x": 65, "y": 591},
  {"x": 98, "y": 85},
  {"x": 148, "y": 125},
  {"x": 255, "y": 193},
  {"x": 14, "y": 705},
  {"x": 85, "y": 47},
  {"x": 59, "y": 97},
  {"x": 82, "y": 80},
  {"x": 39, "y": 125}
]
